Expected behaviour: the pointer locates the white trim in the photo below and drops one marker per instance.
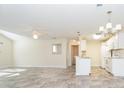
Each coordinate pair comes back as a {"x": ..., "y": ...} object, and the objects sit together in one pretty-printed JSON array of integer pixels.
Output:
[{"x": 42, "y": 66}]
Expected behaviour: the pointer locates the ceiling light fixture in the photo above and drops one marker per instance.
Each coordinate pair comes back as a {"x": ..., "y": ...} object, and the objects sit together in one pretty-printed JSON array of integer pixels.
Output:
[
  {"x": 109, "y": 24},
  {"x": 118, "y": 27},
  {"x": 97, "y": 36},
  {"x": 101, "y": 28},
  {"x": 108, "y": 29},
  {"x": 36, "y": 34}
]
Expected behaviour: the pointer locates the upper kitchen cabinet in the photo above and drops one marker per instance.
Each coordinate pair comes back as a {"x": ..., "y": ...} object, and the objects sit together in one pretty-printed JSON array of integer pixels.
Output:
[
  {"x": 118, "y": 40},
  {"x": 115, "y": 42},
  {"x": 83, "y": 45},
  {"x": 110, "y": 43},
  {"x": 121, "y": 40}
]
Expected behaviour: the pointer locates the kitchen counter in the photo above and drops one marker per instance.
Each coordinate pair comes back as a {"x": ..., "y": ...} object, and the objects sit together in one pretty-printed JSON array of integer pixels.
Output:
[
  {"x": 117, "y": 58},
  {"x": 83, "y": 65}
]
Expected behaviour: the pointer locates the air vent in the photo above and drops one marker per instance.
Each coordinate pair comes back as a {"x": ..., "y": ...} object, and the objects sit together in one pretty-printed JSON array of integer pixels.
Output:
[{"x": 99, "y": 5}]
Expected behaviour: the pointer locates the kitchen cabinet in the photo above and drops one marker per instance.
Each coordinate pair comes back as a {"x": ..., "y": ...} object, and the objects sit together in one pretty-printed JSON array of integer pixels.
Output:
[
  {"x": 117, "y": 67},
  {"x": 103, "y": 54},
  {"x": 83, "y": 45},
  {"x": 110, "y": 44},
  {"x": 115, "y": 42},
  {"x": 83, "y": 66},
  {"x": 121, "y": 40},
  {"x": 108, "y": 64},
  {"x": 118, "y": 40},
  {"x": 113, "y": 65}
]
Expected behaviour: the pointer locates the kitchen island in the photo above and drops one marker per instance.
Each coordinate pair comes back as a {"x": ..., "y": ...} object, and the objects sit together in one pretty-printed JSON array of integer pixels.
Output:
[{"x": 83, "y": 65}]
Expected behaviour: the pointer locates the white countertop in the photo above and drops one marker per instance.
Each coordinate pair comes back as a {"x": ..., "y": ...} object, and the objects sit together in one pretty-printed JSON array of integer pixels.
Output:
[{"x": 117, "y": 57}]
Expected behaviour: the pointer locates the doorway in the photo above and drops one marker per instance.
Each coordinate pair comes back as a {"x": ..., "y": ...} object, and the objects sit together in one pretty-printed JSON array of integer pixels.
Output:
[{"x": 74, "y": 52}]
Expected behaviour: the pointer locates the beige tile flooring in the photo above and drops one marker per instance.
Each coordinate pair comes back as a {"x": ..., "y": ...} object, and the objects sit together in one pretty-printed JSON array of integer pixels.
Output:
[{"x": 57, "y": 78}]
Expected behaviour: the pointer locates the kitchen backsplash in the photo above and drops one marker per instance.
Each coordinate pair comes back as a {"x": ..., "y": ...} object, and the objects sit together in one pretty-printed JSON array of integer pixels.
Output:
[{"x": 118, "y": 53}]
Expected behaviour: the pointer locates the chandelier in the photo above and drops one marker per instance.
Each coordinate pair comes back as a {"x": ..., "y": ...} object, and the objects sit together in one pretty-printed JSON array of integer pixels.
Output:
[{"x": 108, "y": 29}]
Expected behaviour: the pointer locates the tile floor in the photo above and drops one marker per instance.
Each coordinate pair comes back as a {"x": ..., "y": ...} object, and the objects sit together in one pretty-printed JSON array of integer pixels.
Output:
[{"x": 57, "y": 78}]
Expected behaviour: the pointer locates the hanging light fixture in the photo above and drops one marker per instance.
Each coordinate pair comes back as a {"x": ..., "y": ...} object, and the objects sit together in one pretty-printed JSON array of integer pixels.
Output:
[
  {"x": 109, "y": 24},
  {"x": 118, "y": 27},
  {"x": 108, "y": 29},
  {"x": 101, "y": 29}
]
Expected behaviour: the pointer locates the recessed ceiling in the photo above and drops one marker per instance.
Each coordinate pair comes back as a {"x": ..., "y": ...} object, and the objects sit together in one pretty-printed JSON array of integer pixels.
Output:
[{"x": 62, "y": 21}]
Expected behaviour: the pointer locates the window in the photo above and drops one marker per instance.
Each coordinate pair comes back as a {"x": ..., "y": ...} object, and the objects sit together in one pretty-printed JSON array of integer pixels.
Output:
[{"x": 56, "y": 48}]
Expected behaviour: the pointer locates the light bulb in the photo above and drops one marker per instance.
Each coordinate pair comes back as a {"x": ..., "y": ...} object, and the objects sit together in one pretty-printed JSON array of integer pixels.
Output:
[
  {"x": 35, "y": 36},
  {"x": 114, "y": 30},
  {"x": 109, "y": 25},
  {"x": 101, "y": 28},
  {"x": 118, "y": 27}
]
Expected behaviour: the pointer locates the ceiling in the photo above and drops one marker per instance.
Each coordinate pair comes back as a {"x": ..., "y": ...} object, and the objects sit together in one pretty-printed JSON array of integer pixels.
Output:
[{"x": 61, "y": 21}]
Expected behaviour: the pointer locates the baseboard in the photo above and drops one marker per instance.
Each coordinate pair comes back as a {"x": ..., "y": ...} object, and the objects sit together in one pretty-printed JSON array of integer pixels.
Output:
[
  {"x": 8, "y": 66},
  {"x": 41, "y": 67}
]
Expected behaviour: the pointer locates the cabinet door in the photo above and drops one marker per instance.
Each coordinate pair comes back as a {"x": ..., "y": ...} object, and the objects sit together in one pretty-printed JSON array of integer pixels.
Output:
[
  {"x": 110, "y": 44},
  {"x": 103, "y": 55},
  {"x": 108, "y": 65},
  {"x": 83, "y": 45},
  {"x": 121, "y": 39},
  {"x": 115, "y": 41}
]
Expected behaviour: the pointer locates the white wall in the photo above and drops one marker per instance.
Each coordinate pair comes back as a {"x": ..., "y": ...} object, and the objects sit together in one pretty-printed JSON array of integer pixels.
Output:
[
  {"x": 93, "y": 51},
  {"x": 6, "y": 52},
  {"x": 38, "y": 53}
]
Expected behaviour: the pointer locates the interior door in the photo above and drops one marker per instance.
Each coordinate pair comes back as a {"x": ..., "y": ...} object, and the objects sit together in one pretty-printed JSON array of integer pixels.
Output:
[{"x": 74, "y": 52}]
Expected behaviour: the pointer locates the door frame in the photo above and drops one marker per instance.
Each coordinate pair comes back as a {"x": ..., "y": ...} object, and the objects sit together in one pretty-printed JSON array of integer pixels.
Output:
[{"x": 72, "y": 57}]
